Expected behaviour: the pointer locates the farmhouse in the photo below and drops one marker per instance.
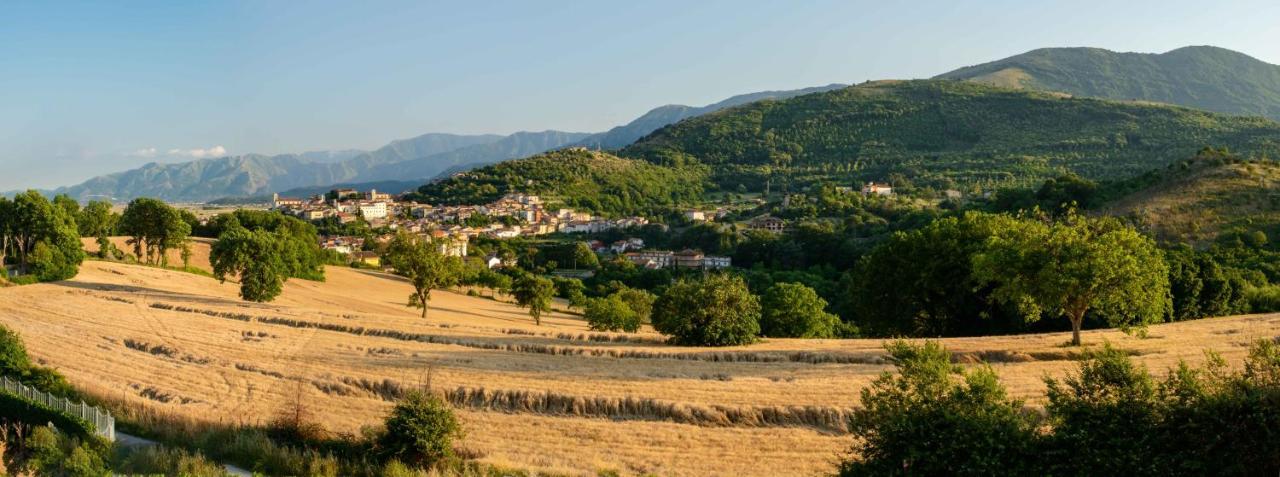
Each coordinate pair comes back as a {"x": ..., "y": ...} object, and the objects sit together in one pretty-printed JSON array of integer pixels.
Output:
[
  {"x": 767, "y": 222},
  {"x": 877, "y": 188}
]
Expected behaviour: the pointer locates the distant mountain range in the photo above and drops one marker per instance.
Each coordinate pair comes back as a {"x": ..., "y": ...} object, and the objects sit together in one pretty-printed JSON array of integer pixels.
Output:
[
  {"x": 255, "y": 175},
  {"x": 1208, "y": 78},
  {"x": 417, "y": 159},
  {"x": 1202, "y": 77}
]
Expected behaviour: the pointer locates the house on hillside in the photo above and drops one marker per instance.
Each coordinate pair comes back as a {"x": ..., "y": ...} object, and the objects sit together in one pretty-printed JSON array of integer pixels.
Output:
[
  {"x": 688, "y": 259},
  {"x": 651, "y": 259},
  {"x": 767, "y": 222},
  {"x": 367, "y": 258},
  {"x": 877, "y": 188}
]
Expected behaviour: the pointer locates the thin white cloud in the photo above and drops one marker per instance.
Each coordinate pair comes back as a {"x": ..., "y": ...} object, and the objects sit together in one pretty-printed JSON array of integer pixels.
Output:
[
  {"x": 198, "y": 153},
  {"x": 146, "y": 152}
]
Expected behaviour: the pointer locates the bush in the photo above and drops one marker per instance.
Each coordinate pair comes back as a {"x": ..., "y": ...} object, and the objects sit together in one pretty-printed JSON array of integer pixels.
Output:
[
  {"x": 152, "y": 460},
  {"x": 1109, "y": 418},
  {"x": 53, "y": 453},
  {"x": 611, "y": 314},
  {"x": 716, "y": 310},
  {"x": 792, "y": 310},
  {"x": 1263, "y": 299},
  {"x": 937, "y": 419},
  {"x": 420, "y": 431}
]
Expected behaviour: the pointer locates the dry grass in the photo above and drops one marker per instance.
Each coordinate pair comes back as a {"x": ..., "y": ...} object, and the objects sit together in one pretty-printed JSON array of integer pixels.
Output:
[{"x": 557, "y": 397}]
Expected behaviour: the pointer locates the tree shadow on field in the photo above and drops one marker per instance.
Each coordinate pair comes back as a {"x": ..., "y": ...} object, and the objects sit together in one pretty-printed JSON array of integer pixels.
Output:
[{"x": 148, "y": 292}]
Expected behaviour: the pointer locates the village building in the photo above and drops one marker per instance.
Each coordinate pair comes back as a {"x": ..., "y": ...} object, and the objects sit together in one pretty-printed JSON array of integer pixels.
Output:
[
  {"x": 768, "y": 223},
  {"x": 688, "y": 259},
  {"x": 651, "y": 259},
  {"x": 876, "y": 188}
]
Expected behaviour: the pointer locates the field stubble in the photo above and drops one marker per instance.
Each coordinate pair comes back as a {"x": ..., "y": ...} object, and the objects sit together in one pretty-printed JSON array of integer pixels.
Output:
[{"x": 556, "y": 397}]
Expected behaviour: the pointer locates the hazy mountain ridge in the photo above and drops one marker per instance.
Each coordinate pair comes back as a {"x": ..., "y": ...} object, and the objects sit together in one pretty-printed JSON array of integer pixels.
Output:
[
  {"x": 1202, "y": 77},
  {"x": 256, "y": 174},
  {"x": 656, "y": 118}
]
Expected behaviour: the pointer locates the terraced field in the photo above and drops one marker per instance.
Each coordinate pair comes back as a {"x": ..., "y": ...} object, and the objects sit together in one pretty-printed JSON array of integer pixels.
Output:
[{"x": 554, "y": 397}]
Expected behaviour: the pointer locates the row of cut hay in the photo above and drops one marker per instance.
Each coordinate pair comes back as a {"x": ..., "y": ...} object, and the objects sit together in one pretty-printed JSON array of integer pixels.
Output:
[
  {"x": 213, "y": 313},
  {"x": 535, "y": 348},
  {"x": 610, "y": 338},
  {"x": 822, "y": 418}
]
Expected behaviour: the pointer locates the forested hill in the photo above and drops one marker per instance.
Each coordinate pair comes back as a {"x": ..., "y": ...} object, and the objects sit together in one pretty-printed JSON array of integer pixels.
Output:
[
  {"x": 621, "y": 136},
  {"x": 946, "y": 133},
  {"x": 577, "y": 177},
  {"x": 1213, "y": 196},
  {"x": 1202, "y": 77}
]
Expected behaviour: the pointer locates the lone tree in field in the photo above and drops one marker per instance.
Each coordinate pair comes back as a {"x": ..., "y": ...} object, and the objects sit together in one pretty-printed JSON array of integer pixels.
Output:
[
  {"x": 254, "y": 256},
  {"x": 717, "y": 310},
  {"x": 1073, "y": 266},
  {"x": 534, "y": 292},
  {"x": 420, "y": 260}
]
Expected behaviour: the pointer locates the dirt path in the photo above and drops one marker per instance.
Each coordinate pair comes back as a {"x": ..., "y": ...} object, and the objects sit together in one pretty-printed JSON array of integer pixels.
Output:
[{"x": 127, "y": 440}]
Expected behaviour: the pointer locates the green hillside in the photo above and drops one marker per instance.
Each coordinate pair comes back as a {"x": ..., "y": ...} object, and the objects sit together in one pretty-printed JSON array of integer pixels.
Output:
[
  {"x": 1201, "y": 77},
  {"x": 1201, "y": 199},
  {"x": 945, "y": 134},
  {"x": 575, "y": 177}
]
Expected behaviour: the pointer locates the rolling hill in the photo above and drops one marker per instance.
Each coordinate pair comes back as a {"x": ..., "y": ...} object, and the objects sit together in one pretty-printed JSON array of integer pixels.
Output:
[
  {"x": 577, "y": 177},
  {"x": 1203, "y": 77},
  {"x": 1199, "y": 199},
  {"x": 945, "y": 134}
]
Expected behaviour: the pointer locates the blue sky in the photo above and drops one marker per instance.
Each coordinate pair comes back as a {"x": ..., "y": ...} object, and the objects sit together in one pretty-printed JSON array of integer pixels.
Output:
[{"x": 90, "y": 88}]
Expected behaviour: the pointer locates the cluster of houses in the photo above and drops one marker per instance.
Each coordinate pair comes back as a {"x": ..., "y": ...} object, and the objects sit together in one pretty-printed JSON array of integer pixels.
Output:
[
  {"x": 687, "y": 259},
  {"x": 380, "y": 209}
]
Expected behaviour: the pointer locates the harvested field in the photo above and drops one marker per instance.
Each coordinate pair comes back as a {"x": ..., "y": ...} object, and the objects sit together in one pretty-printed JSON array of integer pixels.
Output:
[{"x": 557, "y": 397}]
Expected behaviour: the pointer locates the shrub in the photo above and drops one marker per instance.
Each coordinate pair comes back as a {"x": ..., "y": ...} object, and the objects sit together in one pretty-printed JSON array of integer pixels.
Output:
[
  {"x": 611, "y": 314},
  {"x": 420, "y": 430},
  {"x": 1104, "y": 416},
  {"x": 792, "y": 310},
  {"x": 937, "y": 419},
  {"x": 152, "y": 460},
  {"x": 716, "y": 310}
]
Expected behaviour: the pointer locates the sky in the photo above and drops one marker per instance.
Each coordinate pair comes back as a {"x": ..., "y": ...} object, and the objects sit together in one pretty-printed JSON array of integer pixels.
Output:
[{"x": 97, "y": 87}]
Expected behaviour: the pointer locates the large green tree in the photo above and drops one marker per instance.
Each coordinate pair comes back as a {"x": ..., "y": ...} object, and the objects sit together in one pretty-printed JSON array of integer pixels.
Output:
[
  {"x": 611, "y": 314},
  {"x": 96, "y": 219},
  {"x": 1075, "y": 265},
  {"x": 921, "y": 283},
  {"x": 792, "y": 310},
  {"x": 256, "y": 257},
  {"x": 715, "y": 310},
  {"x": 42, "y": 236},
  {"x": 421, "y": 261},
  {"x": 534, "y": 292},
  {"x": 154, "y": 228}
]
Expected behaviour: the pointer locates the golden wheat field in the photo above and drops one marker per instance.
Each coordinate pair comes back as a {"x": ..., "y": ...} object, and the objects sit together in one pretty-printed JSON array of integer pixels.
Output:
[{"x": 555, "y": 397}]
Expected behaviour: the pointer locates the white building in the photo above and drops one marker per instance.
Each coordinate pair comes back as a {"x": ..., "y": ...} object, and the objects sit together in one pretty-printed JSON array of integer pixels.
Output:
[
  {"x": 373, "y": 210},
  {"x": 877, "y": 188}
]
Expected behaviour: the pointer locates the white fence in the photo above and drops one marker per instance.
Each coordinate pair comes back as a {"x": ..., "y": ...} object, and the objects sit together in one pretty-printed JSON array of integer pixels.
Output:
[{"x": 103, "y": 424}]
